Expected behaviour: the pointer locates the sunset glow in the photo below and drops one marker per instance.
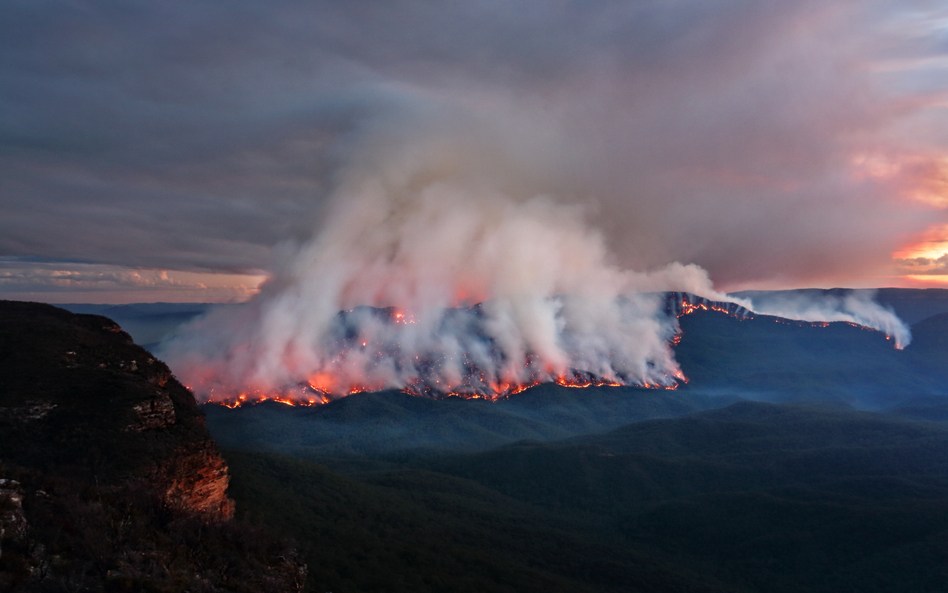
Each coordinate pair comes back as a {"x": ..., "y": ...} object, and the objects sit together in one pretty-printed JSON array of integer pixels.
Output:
[
  {"x": 932, "y": 244},
  {"x": 925, "y": 263}
]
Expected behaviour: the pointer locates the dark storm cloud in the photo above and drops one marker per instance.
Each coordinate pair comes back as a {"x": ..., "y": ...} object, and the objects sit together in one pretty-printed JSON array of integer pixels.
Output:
[{"x": 197, "y": 135}]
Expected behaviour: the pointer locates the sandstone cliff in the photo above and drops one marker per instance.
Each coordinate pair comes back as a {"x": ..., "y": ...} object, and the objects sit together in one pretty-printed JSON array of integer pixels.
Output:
[{"x": 108, "y": 451}]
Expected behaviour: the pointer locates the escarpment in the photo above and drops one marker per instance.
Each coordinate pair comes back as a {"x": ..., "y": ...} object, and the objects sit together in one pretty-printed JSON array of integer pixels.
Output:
[
  {"x": 80, "y": 398},
  {"x": 114, "y": 468}
]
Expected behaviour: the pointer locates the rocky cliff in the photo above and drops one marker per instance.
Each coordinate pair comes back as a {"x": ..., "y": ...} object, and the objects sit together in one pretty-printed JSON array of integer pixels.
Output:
[{"x": 107, "y": 465}]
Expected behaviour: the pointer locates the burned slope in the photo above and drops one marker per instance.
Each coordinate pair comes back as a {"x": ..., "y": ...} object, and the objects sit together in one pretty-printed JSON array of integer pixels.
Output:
[{"x": 108, "y": 464}]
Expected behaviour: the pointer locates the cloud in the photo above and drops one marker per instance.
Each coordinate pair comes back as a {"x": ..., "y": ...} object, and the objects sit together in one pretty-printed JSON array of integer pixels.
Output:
[
  {"x": 196, "y": 137},
  {"x": 925, "y": 265},
  {"x": 65, "y": 282}
]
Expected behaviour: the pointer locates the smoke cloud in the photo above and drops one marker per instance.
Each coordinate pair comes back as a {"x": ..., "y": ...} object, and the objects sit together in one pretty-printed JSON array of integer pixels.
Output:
[
  {"x": 436, "y": 269},
  {"x": 775, "y": 144}
]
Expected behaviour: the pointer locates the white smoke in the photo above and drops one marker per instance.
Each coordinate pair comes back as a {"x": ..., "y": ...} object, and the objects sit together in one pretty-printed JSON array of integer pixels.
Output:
[
  {"x": 856, "y": 307},
  {"x": 485, "y": 285},
  {"x": 551, "y": 302}
]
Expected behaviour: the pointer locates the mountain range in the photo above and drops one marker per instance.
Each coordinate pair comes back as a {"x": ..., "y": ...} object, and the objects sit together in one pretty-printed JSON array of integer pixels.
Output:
[{"x": 795, "y": 458}]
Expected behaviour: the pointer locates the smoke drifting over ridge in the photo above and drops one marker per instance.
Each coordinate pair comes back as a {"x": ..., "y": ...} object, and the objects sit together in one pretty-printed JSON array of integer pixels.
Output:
[
  {"x": 856, "y": 307},
  {"x": 439, "y": 267}
]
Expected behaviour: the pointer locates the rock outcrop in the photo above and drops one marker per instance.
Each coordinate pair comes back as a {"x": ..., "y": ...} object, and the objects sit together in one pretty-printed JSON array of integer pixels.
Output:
[
  {"x": 197, "y": 481},
  {"x": 157, "y": 412},
  {"x": 80, "y": 378},
  {"x": 104, "y": 461},
  {"x": 12, "y": 520}
]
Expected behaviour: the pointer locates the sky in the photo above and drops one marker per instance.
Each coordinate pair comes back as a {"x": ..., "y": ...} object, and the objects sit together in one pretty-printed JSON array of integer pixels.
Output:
[{"x": 175, "y": 151}]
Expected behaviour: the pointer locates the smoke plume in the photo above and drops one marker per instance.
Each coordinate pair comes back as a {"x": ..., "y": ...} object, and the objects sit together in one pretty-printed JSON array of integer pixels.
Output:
[
  {"x": 855, "y": 307},
  {"x": 436, "y": 270}
]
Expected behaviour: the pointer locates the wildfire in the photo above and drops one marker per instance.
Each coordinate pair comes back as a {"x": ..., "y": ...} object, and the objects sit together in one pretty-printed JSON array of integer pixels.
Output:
[
  {"x": 243, "y": 399},
  {"x": 682, "y": 304},
  {"x": 520, "y": 388},
  {"x": 592, "y": 382},
  {"x": 315, "y": 396},
  {"x": 324, "y": 386},
  {"x": 400, "y": 317}
]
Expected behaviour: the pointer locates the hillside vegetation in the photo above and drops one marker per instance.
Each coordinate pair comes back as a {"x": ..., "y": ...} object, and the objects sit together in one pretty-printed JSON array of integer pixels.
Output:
[{"x": 752, "y": 497}]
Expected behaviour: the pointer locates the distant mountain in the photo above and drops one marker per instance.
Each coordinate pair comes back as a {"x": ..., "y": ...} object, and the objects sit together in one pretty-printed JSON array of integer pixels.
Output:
[
  {"x": 147, "y": 323},
  {"x": 150, "y": 323},
  {"x": 107, "y": 471},
  {"x": 914, "y": 304},
  {"x": 773, "y": 359},
  {"x": 931, "y": 334}
]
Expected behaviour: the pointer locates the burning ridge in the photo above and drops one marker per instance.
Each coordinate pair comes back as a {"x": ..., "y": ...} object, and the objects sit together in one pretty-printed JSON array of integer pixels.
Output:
[
  {"x": 480, "y": 376},
  {"x": 684, "y": 303},
  {"x": 481, "y": 360},
  {"x": 476, "y": 379}
]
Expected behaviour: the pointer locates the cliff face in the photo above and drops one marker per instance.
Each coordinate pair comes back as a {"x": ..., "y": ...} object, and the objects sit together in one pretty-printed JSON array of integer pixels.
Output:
[
  {"x": 197, "y": 481},
  {"x": 80, "y": 396},
  {"x": 103, "y": 442}
]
